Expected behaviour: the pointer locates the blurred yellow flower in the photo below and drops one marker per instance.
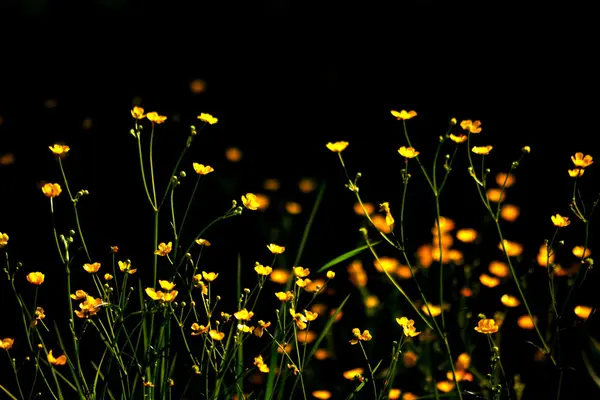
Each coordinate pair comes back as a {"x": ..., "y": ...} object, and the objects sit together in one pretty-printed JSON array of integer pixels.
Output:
[
  {"x": 513, "y": 249},
  {"x": 35, "y": 278},
  {"x": 510, "y": 301},
  {"x": 321, "y": 394},
  {"x": 445, "y": 386},
  {"x": 233, "y": 154},
  {"x": 583, "y": 312},
  {"x": 307, "y": 185},
  {"x": 371, "y": 301},
  {"x": 155, "y": 117},
  {"x": 358, "y": 209},
  {"x": 51, "y": 190},
  {"x": 60, "y": 360},
  {"x": 204, "y": 117},
  {"x": 408, "y": 152},
  {"x": 482, "y": 150},
  {"x": 330, "y": 274},
  {"x": 525, "y": 322},
  {"x": 578, "y": 251},
  {"x": 380, "y": 223},
  {"x": 108, "y": 277},
  {"x": 463, "y": 361},
  {"x": 203, "y": 242},
  {"x": 262, "y": 367},
  {"x": 389, "y": 220},
  {"x": 409, "y": 358},
  {"x": 279, "y": 276},
  {"x": 407, "y": 326},
  {"x": 337, "y": 147},
  {"x": 435, "y": 310},
  {"x": 509, "y": 212},
  {"x": 486, "y": 326},
  {"x": 6, "y": 343},
  {"x": 489, "y": 281},
  {"x": 504, "y": 179},
  {"x": 388, "y": 264},
  {"x": 353, "y": 373},
  {"x": 559, "y": 221},
  {"x": 293, "y": 207},
  {"x": 404, "y": 115},
  {"x": 499, "y": 269},
  {"x": 542, "y": 256},
  {"x": 466, "y": 235},
  {"x": 250, "y": 202},
  {"x": 202, "y": 169},
  {"x": 271, "y": 184}
]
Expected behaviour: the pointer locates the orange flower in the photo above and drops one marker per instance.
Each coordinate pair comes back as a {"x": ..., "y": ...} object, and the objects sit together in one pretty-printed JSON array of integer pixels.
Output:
[
  {"x": 489, "y": 281},
  {"x": 578, "y": 251},
  {"x": 495, "y": 195},
  {"x": 404, "y": 115},
  {"x": 271, "y": 185},
  {"x": 482, "y": 150},
  {"x": 499, "y": 269},
  {"x": 35, "y": 278},
  {"x": 61, "y": 360},
  {"x": 51, "y": 190},
  {"x": 321, "y": 394},
  {"x": 388, "y": 264},
  {"x": 504, "y": 179},
  {"x": 233, "y": 154},
  {"x": 380, "y": 223},
  {"x": 486, "y": 326},
  {"x": 353, "y": 373},
  {"x": 525, "y": 322},
  {"x": 364, "y": 336},
  {"x": 463, "y": 362},
  {"x": 510, "y": 301},
  {"x": 293, "y": 207},
  {"x": 6, "y": 343},
  {"x": 542, "y": 256},
  {"x": 156, "y": 118},
  {"x": 513, "y": 249},
  {"x": 435, "y": 310},
  {"x": 581, "y": 161},
  {"x": 409, "y": 358},
  {"x": 279, "y": 276},
  {"x": 307, "y": 185},
  {"x": 466, "y": 235},
  {"x": 509, "y": 212},
  {"x": 358, "y": 209},
  {"x": 408, "y": 152},
  {"x": 445, "y": 386},
  {"x": 262, "y": 367},
  {"x": 583, "y": 312},
  {"x": 91, "y": 268},
  {"x": 337, "y": 147},
  {"x": 559, "y": 221}
]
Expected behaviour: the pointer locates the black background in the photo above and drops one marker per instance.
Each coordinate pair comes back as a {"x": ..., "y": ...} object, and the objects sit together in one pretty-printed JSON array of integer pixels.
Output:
[{"x": 284, "y": 78}]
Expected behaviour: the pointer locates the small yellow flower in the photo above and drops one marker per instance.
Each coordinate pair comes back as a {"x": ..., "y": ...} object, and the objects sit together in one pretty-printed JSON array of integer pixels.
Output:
[
  {"x": 259, "y": 330},
  {"x": 51, "y": 190},
  {"x": 513, "y": 249},
  {"x": 307, "y": 185},
  {"x": 337, "y": 147},
  {"x": 407, "y": 326},
  {"x": 445, "y": 386},
  {"x": 463, "y": 361},
  {"x": 489, "y": 281},
  {"x": 6, "y": 343},
  {"x": 138, "y": 112},
  {"x": 408, "y": 152},
  {"x": 108, "y": 277},
  {"x": 525, "y": 322},
  {"x": 303, "y": 283},
  {"x": 280, "y": 276},
  {"x": 471, "y": 126},
  {"x": 202, "y": 169},
  {"x": 3, "y": 239},
  {"x": 581, "y": 161},
  {"x": 125, "y": 266},
  {"x": 89, "y": 307},
  {"x": 91, "y": 268},
  {"x": 578, "y": 251},
  {"x": 262, "y": 270},
  {"x": 262, "y": 367},
  {"x": 40, "y": 313},
  {"x": 354, "y": 373},
  {"x": 250, "y": 202},
  {"x": 482, "y": 150},
  {"x": 166, "y": 285},
  {"x": 164, "y": 249},
  {"x": 435, "y": 310},
  {"x": 61, "y": 360},
  {"x": 209, "y": 276},
  {"x": 510, "y": 212},
  {"x": 156, "y": 118},
  {"x": 389, "y": 220},
  {"x": 299, "y": 318},
  {"x": 204, "y": 117},
  {"x": 559, "y": 221},
  {"x": 576, "y": 173},
  {"x": 330, "y": 274},
  {"x": 285, "y": 296},
  {"x": 486, "y": 326},
  {"x": 526, "y": 149},
  {"x": 301, "y": 272},
  {"x": 216, "y": 335},
  {"x": 404, "y": 115},
  {"x": 79, "y": 295},
  {"x": 364, "y": 336},
  {"x": 35, "y": 278},
  {"x": 243, "y": 315},
  {"x": 198, "y": 329},
  {"x": 458, "y": 138},
  {"x": 59, "y": 149},
  {"x": 504, "y": 179},
  {"x": 321, "y": 394},
  {"x": 499, "y": 269},
  {"x": 202, "y": 242},
  {"x": 275, "y": 249}
]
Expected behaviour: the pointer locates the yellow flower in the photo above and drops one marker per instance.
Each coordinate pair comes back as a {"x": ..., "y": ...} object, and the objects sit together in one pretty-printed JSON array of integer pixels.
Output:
[
  {"x": 354, "y": 373},
  {"x": 576, "y": 173},
  {"x": 471, "y": 126},
  {"x": 321, "y": 394},
  {"x": 365, "y": 336},
  {"x": 458, "y": 138},
  {"x": 435, "y": 310},
  {"x": 40, "y": 313},
  {"x": 583, "y": 312},
  {"x": 513, "y": 249},
  {"x": 35, "y": 278},
  {"x": 526, "y": 149},
  {"x": 199, "y": 329},
  {"x": 164, "y": 249},
  {"x": 559, "y": 221},
  {"x": 293, "y": 207},
  {"x": 6, "y": 343},
  {"x": 89, "y": 307},
  {"x": 445, "y": 386},
  {"x": 202, "y": 169},
  {"x": 262, "y": 367},
  {"x": 166, "y": 285},
  {"x": 337, "y": 147},
  {"x": 79, "y": 295},
  {"x": 510, "y": 301},
  {"x": 125, "y": 266},
  {"x": 155, "y": 117},
  {"x": 301, "y": 272},
  {"x": 262, "y": 270},
  {"x": 138, "y": 112},
  {"x": 307, "y": 185},
  {"x": 408, "y": 152},
  {"x": 299, "y": 318},
  {"x": 389, "y": 220},
  {"x": 581, "y": 161},
  {"x": 243, "y": 315},
  {"x": 203, "y": 242},
  {"x": 407, "y": 326},
  {"x": 91, "y": 268},
  {"x": 486, "y": 326},
  {"x": 285, "y": 296},
  {"x": 51, "y": 190},
  {"x": 204, "y": 117},
  {"x": 209, "y": 276},
  {"x": 404, "y": 115},
  {"x": 525, "y": 322},
  {"x": 275, "y": 249},
  {"x": 482, "y": 150},
  {"x": 61, "y": 360},
  {"x": 250, "y": 201},
  {"x": 303, "y": 282},
  {"x": 330, "y": 274},
  {"x": 216, "y": 335},
  {"x": 578, "y": 251},
  {"x": 259, "y": 330},
  {"x": 59, "y": 149},
  {"x": 158, "y": 295},
  {"x": 3, "y": 239},
  {"x": 463, "y": 361},
  {"x": 271, "y": 185}
]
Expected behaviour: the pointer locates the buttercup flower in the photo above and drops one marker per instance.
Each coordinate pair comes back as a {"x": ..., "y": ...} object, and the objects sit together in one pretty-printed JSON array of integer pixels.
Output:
[
  {"x": 404, "y": 115},
  {"x": 510, "y": 301},
  {"x": 125, "y": 266},
  {"x": 51, "y": 190},
  {"x": 337, "y": 147},
  {"x": 458, "y": 138},
  {"x": 79, "y": 295},
  {"x": 202, "y": 169},
  {"x": 6, "y": 343},
  {"x": 581, "y": 161},
  {"x": 407, "y": 326},
  {"x": 204, "y": 117},
  {"x": 59, "y": 149},
  {"x": 158, "y": 295},
  {"x": 209, "y": 276},
  {"x": 365, "y": 336},
  {"x": 262, "y": 270},
  {"x": 576, "y": 173},
  {"x": 250, "y": 202},
  {"x": 3, "y": 239},
  {"x": 559, "y": 221},
  {"x": 486, "y": 326},
  {"x": 61, "y": 360},
  {"x": 89, "y": 307},
  {"x": 482, "y": 150},
  {"x": 262, "y": 367},
  {"x": 91, "y": 268},
  {"x": 163, "y": 249},
  {"x": 138, "y": 112},
  {"x": 471, "y": 126},
  {"x": 203, "y": 242},
  {"x": 35, "y": 278},
  {"x": 275, "y": 249},
  {"x": 199, "y": 329},
  {"x": 385, "y": 207},
  {"x": 243, "y": 315},
  {"x": 156, "y": 118},
  {"x": 408, "y": 152},
  {"x": 285, "y": 296},
  {"x": 330, "y": 274}
]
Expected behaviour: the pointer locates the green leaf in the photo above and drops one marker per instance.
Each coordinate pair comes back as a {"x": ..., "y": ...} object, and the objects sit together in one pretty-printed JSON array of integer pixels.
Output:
[{"x": 346, "y": 256}]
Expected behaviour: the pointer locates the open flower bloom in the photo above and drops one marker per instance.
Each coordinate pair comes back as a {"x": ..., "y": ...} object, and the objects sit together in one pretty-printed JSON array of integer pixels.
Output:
[
  {"x": 79, "y": 295},
  {"x": 158, "y": 295},
  {"x": 365, "y": 336},
  {"x": 337, "y": 147},
  {"x": 198, "y": 329},
  {"x": 202, "y": 169},
  {"x": 299, "y": 318},
  {"x": 209, "y": 119},
  {"x": 210, "y": 276},
  {"x": 559, "y": 221},
  {"x": 458, "y": 138},
  {"x": 581, "y": 161},
  {"x": 59, "y": 149},
  {"x": 138, "y": 112},
  {"x": 155, "y": 117},
  {"x": 91, "y": 268},
  {"x": 51, "y": 190},
  {"x": 471, "y": 126},
  {"x": 243, "y": 315},
  {"x": 287, "y": 296},
  {"x": 163, "y": 249},
  {"x": 89, "y": 307},
  {"x": 3, "y": 239},
  {"x": 408, "y": 326},
  {"x": 250, "y": 201},
  {"x": 6, "y": 343},
  {"x": 482, "y": 150},
  {"x": 35, "y": 278},
  {"x": 404, "y": 115},
  {"x": 486, "y": 326},
  {"x": 216, "y": 335},
  {"x": 262, "y": 270},
  {"x": 408, "y": 152},
  {"x": 125, "y": 266},
  {"x": 262, "y": 367},
  {"x": 60, "y": 360},
  {"x": 275, "y": 249}
]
